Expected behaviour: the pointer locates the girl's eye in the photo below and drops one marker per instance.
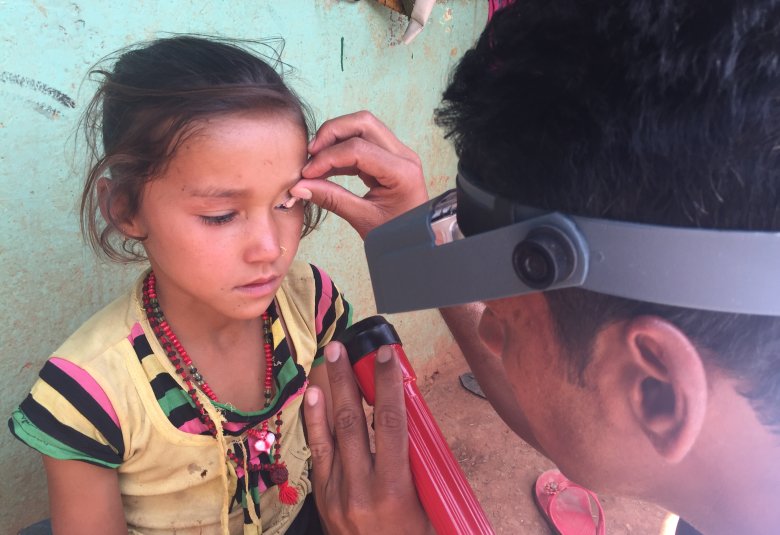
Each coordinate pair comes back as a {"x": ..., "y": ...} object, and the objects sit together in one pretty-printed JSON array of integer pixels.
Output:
[
  {"x": 218, "y": 219},
  {"x": 287, "y": 205}
]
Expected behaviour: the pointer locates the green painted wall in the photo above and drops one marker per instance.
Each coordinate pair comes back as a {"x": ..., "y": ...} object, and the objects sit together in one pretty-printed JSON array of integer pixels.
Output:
[{"x": 52, "y": 283}]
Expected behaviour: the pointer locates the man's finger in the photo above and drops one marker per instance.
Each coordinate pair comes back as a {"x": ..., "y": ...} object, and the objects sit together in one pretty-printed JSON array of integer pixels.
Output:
[
  {"x": 390, "y": 424},
  {"x": 319, "y": 438},
  {"x": 349, "y": 422},
  {"x": 358, "y": 212},
  {"x": 362, "y": 124},
  {"x": 355, "y": 153}
]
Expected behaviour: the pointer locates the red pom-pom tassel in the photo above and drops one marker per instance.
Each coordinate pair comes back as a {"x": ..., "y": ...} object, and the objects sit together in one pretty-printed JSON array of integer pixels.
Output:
[{"x": 288, "y": 494}]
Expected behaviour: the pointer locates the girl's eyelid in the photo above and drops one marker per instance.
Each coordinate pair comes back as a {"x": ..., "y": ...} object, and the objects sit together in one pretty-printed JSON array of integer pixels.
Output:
[
  {"x": 218, "y": 219},
  {"x": 288, "y": 203}
]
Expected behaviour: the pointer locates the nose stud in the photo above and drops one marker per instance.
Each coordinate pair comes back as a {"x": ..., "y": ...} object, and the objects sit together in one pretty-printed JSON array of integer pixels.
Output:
[{"x": 283, "y": 249}]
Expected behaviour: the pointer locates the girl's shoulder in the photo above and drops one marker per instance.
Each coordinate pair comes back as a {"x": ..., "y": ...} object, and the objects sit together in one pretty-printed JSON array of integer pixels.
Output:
[
  {"x": 85, "y": 392},
  {"x": 307, "y": 284},
  {"x": 107, "y": 331},
  {"x": 301, "y": 271}
]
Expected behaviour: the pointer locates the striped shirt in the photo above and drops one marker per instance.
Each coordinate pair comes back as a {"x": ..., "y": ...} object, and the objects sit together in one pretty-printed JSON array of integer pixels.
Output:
[{"x": 68, "y": 415}]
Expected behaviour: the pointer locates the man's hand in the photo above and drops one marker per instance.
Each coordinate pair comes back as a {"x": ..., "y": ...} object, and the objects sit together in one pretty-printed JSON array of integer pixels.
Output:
[
  {"x": 357, "y": 493},
  {"x": 359, "y": 144}
]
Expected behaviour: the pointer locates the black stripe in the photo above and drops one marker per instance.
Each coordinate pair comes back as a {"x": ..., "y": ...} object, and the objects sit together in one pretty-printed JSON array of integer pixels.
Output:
[
  {"x": 315, "y": 271},
  {"x": 282, "y": 351},
  {"x": 13, "y": 432},
  {"x": 47, "y": 423},
  {"x": 182, "y": 414},
  {"x": 330, "y": 315},
  {"x": 341, "y": 323},
  {"x": 253, "y": 481},
  {"x": 247, "y": 518},
  {"x": 290, "y": 389},
  {"x": 265, "y": 475},
  {"x": 162, "y": 383},
  {"x": 71, "y": 390},
  {"x": 142, "y": 347}
]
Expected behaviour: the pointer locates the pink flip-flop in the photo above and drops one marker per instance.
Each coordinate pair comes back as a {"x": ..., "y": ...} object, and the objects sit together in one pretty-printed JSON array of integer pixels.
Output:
[{"x": 568, "y": 508}]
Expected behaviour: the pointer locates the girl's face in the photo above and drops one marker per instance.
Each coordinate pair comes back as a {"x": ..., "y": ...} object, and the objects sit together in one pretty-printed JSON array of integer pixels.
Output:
[{"x": 221, "y": 227}]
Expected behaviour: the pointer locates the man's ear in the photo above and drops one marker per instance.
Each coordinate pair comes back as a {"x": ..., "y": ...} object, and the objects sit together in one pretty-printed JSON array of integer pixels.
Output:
[
  {"x": 669, "y": 389},
  {"x": 113, "y": 208}
]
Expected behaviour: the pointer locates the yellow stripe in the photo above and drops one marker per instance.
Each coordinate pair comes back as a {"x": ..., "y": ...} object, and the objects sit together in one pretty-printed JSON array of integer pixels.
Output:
[
  {"x": 277, "y": 332},
  {"x": 338, "y": 305},
  {"x": 152, "y": 367},
  {"x": 65, "y": 412}
]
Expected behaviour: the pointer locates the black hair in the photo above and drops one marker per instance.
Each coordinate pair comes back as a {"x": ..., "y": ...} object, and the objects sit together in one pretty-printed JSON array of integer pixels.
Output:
[
  {"x": 661, "y": 112},
  {"x": 147, "y": 104}
]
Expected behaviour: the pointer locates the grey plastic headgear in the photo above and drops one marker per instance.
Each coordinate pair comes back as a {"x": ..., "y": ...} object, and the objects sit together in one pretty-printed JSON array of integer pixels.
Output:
[{"x": 429, "y": 258}]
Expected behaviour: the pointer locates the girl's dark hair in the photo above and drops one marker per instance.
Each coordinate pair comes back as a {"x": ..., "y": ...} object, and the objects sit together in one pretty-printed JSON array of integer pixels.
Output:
[{"x": 145, "y": 107}]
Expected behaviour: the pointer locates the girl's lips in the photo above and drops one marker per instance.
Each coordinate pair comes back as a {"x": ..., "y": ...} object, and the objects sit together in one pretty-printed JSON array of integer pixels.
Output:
[{"x": 259, "y": 287}]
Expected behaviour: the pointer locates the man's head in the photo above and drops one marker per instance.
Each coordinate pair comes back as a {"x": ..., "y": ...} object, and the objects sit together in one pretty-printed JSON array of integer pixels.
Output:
[{"x": 664, "y": 113}]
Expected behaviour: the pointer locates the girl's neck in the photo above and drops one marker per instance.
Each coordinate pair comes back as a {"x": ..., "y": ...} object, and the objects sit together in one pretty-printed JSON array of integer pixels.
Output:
[{"x": 200, "y": 326}]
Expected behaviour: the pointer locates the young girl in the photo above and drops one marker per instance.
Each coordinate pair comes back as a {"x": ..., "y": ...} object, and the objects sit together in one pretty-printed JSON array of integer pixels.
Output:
[{"x": 176, "y": 408}]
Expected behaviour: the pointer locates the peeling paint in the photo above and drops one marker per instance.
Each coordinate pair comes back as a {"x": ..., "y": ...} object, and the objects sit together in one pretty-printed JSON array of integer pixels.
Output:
[
  {"x": 38, "y": 87},
  {"x": 39, "y": 107}
]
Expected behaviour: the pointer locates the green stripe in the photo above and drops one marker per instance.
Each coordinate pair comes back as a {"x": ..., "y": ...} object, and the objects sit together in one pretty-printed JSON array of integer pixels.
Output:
[
  {"x": 287, "y": 373},
  {"x": 173, "y": 399},
  {"x": 31, "y": 435}
]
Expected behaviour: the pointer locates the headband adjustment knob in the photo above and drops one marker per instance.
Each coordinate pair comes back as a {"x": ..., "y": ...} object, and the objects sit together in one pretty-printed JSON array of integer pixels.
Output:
[{"x": 545, "y": 257}]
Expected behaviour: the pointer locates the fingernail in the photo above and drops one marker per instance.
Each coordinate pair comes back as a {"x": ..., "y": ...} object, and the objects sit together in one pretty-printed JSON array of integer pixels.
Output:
[
  {"x": 312, "y": 397},
  {"x": 332, "y": 353},
  {"x": 311, "y": 143},
  {"x": 384, "y": 354},
  {"x": 301, "y": 193}
]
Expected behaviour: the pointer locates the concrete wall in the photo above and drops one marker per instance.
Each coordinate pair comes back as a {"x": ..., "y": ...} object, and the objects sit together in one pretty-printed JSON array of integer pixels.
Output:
[{"x": 347, "y": 58}]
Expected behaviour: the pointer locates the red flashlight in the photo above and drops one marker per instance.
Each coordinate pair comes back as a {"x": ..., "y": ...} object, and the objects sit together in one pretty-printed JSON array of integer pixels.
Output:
[{"x": 441, "y": 485}]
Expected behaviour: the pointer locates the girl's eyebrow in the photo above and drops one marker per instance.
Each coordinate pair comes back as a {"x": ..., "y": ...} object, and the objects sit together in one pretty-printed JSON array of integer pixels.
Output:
[
  {"x": 222, "y": 193},
  {"x": 228, "y": 193}
]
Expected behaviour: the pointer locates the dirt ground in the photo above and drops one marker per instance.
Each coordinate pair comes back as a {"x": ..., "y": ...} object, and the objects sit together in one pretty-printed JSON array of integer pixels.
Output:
[{"x": 501, "y": 467}]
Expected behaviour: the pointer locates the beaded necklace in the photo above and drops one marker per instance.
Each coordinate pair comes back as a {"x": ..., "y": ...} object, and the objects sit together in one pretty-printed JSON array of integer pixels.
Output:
[{"x": 264, "y": 440}]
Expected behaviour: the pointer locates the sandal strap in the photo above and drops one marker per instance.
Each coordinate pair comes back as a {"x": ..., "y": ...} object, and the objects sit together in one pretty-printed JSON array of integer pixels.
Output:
[{"x": 568, "y": 484}]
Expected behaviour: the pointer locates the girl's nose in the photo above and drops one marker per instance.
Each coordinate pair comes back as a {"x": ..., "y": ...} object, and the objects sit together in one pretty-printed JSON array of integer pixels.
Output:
[{"x": 262, "y": 242}]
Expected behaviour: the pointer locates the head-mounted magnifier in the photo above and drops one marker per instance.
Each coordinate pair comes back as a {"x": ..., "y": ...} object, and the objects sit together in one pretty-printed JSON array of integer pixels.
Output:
[{"x": 469, "y": 245}]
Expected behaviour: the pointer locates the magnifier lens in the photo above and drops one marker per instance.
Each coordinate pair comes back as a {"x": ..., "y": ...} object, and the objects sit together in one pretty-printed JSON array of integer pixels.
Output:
[{"x": 444, "y": 222}]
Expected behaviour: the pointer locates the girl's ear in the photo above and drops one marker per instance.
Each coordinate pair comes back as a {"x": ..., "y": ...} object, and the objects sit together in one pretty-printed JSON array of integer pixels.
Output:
[
  {"x": 668, "y": 391},
  {"x": 113, "y": 208},
  {"x": 104, "y": 194}
]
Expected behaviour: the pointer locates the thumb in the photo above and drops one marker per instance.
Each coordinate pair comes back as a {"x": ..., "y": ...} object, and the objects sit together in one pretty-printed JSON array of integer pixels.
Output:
[{"x": 334, "y": 198}]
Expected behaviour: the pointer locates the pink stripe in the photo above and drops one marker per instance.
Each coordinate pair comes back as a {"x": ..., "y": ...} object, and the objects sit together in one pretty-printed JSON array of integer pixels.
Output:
[
  {"x": 237, "y": 426},
  {"x": 135, "y": 332},
  {"x": 325, "y": 299},
  {"x": 87, "y": 383},
  {"x": 298, "y": 392},
  {"x": 233, "y": 426},
  {"x": 194, "y": 426}
]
